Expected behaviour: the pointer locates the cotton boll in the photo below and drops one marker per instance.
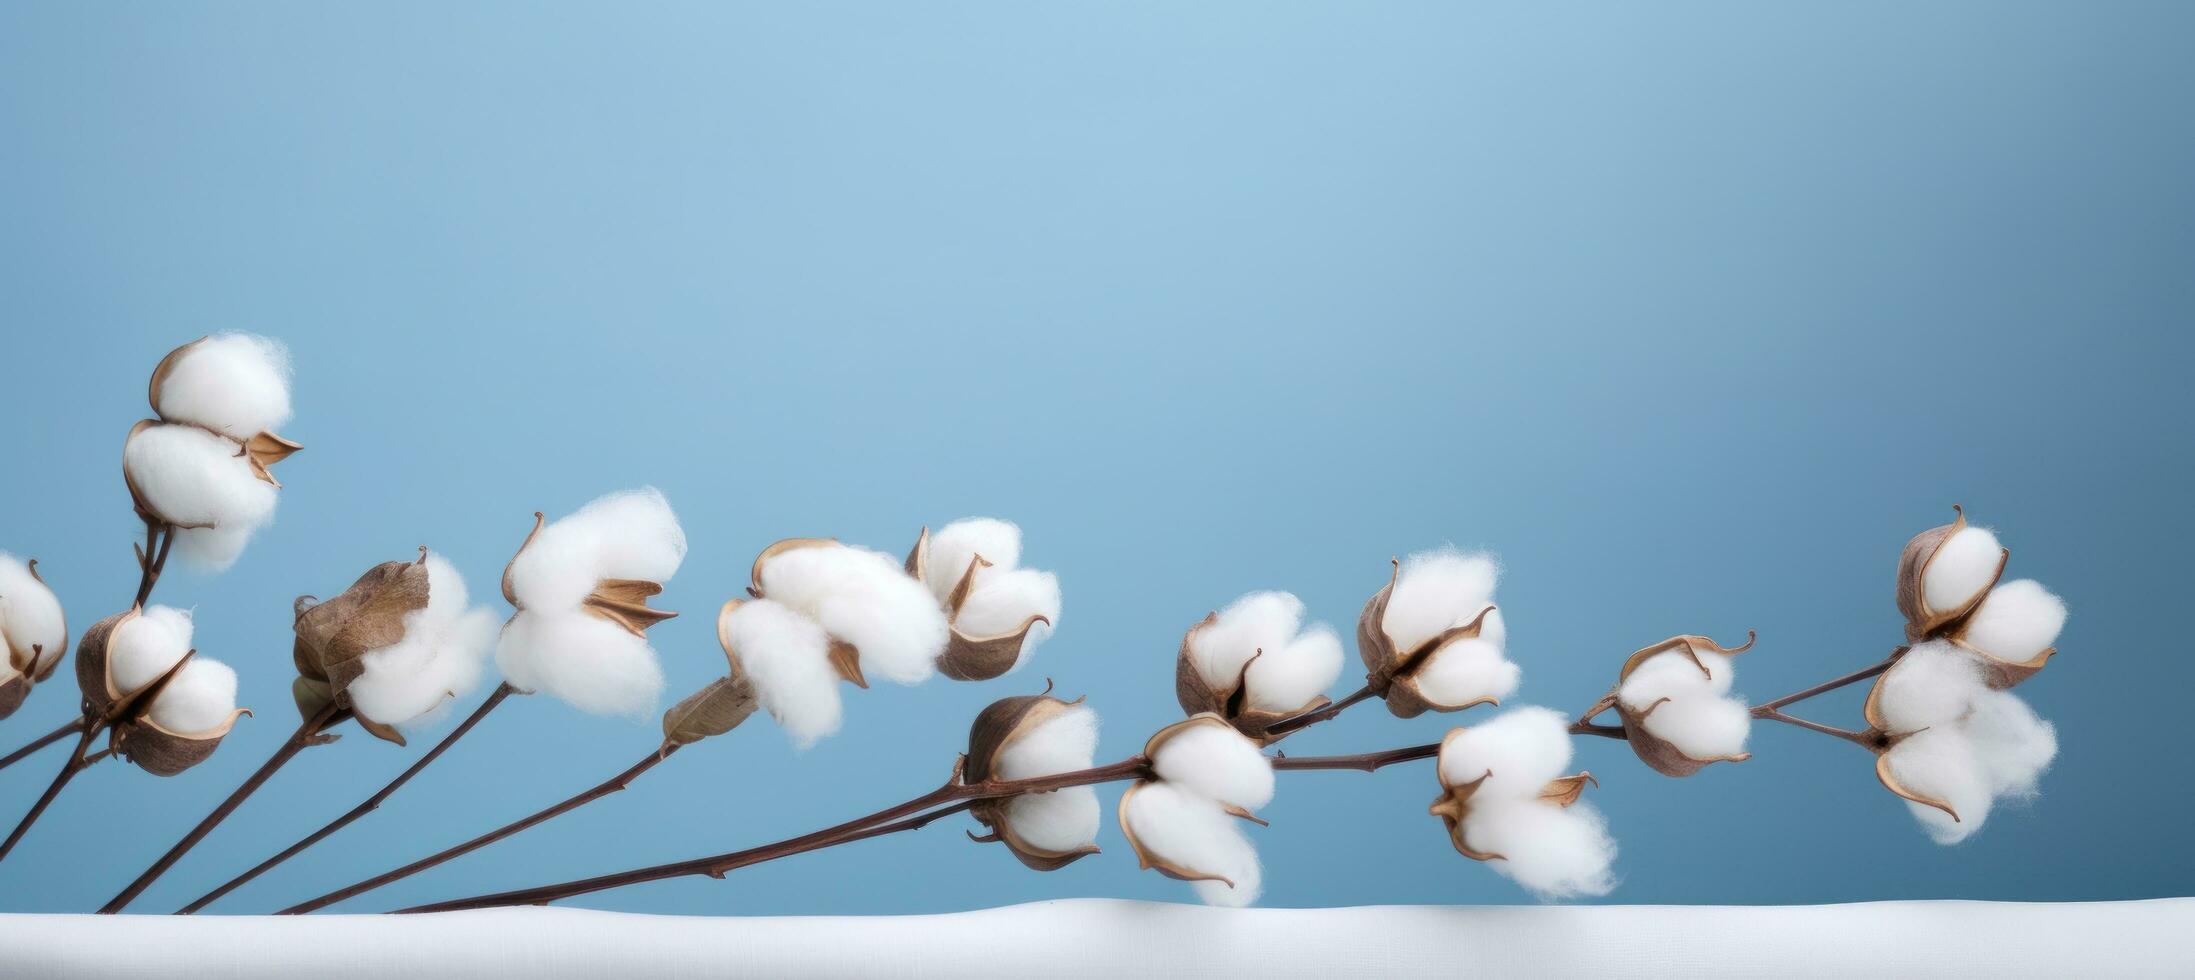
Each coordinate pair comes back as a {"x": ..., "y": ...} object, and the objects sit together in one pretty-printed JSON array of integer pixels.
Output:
[
  {"x": 864, "y": 598},
  {"x": 1437, "y": 591},
  {"x": 1218, "y": 763},
  {"x": 1064, "y": 742},
  {"x": 1062, "y": 820},
  {"x": 1257, "y": 621},
  {"x": 189, "y": 476},
  {"x": 586, "y": 661},
  {"x": 1467, "y": 670},
  {"x": 145, "y": 647},
  {"x": 438, "y": 657},
  {"x": 1190, "y": 832},
  {"x": 1001, "y": 602},
  {"x": 631, "y": 534},
  {"x": 237, "y": 384},
  {"x": 1933, "y": 685},
  {"x": 199, "y": 698},
  {"x": 955, "y": 545},
  {"x": 1941, "y": 764},
  {"x": 31, "y": 621},
  {"x": 1523, "y": 748},
  {"x": 1673, "y": 674},
  {"x": 1702, "y": 727},
  {"x": 787, "y": 656},
  {"x": 1963, "y": 566},
  {"x": 1290, "y": 677},
  {"x": 2011, "y": 743},
  {"x": 1554, "y": 852},
  {"x": 2017, "y": 622}
]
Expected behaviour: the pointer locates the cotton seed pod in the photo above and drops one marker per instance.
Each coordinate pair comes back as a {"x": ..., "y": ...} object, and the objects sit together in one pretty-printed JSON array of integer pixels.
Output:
[
  {"x": 1392, "y": 672},
  {"x": 148, "y": 745},
  {"x": 966, "y": 657},
  {"x": 997, "y": 727},
  {"x": 717, "y": 708},
  {"x": 1196, "y": 695},
  {"x": 1922, "y": 618},
  {"x": 261, "y": 449},
  {"x": 26, "y": 657},
  {"x": 1454, "y": 804},
  {"x": 333, "y": 636},
  {"x": 1657, "y": 752},
  {"x": 1882, "y": 740},
  {"x": 845, "y": 657},
  {"x": 92, "y": 676}
]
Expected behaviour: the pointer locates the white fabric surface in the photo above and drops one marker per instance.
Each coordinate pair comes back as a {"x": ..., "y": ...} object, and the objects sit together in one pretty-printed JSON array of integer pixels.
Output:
[{"x": 1108, "y": 938}]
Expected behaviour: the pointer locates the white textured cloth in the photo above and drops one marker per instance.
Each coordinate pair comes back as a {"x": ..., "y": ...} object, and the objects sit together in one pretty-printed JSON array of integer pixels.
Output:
[{"x": 1109, "y": 938}]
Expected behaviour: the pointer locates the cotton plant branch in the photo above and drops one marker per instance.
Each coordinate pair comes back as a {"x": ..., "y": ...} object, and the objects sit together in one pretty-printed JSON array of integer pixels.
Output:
[
  {"x": 68, "y": 728},
  {"x": 1773, "y": 710}
]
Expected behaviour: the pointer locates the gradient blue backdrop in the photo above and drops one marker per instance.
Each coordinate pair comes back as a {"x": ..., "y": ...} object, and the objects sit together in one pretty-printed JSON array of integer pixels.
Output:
[{"x": 1692, "y": 311}]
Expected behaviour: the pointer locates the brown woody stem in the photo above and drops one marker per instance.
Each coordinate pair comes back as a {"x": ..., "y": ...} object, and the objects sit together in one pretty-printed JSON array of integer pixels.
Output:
[
  {"x": 69, "y": 769},
  {"x": 159, "y": 537},
  {"x": 502, "y": 692},
  {"x": 67, "y": 729},
  {"x": 1870, "y": 740},
  {"x": 1309, "y": 718},
  {"x": 611, "y": 785},
  {"x": 1769, "y": 709},
  {"x": 308, "y": 734}
]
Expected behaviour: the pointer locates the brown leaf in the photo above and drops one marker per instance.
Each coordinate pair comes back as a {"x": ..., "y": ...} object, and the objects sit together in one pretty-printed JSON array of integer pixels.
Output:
[{"x": 717, "y": 708}]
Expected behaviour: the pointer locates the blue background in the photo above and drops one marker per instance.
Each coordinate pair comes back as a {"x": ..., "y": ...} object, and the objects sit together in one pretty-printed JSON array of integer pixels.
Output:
[{"x": 1692, "y": 311}]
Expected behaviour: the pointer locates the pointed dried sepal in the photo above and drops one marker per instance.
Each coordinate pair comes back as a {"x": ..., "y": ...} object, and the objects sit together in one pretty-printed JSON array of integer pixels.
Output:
[
  {"x": 164, "y": 753},
  {"x": 91, "y": 662},
  {"x": 509, "y": 595},
  {"x": 332, "y": 636},
  {"x": 1152, "y": 862},
  {"x": 1391, "y": 672},
  {"x": 992, "y": 814},
  {"x": 1920, "y": 620},
  {"x": 981, "y": 658},
  {"x": 264, "y": 450},
  {"x": 1000, "y": 724},
  {"x": 1452, "y": 806},
  {"x": 624, "y": 601},
  {"x": 717, "y": 708},
  {"x": 1691, "y": 646},
  {"x": 386, "y": 733}
]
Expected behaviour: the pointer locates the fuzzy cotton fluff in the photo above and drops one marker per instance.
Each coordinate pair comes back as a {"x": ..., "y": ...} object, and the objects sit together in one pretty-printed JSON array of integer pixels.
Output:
[
  {"x": 1553, "y": 851},
  {"x": 1290, "y": 668},
  {"x": 199, "y": 698},
  {"x": 438, "y": 658},
  {"x": 1957, "y": 740},
  {"x": 867, "y": 599},
  {"x": 1003, "y": 595},
  {"x": 1963, "y": 566},
  {"x": 1186, "y": 829},
  {"x": 146, "y": 646},
  {"x": 1218, "y": 763},
  {"x": 2017, "y": 621},
  {"x": 1437, "y": 591},
  {"x": 190, "y": 476},
  {"x": 1699, "y": 717},
  {"x": 787, "y": 657},
  {"x": 552, "y": 645},
  {"x": 237, "y": 384},
  {"x": 1062, "y": 820},
  {"x": 33, "y": 630}
]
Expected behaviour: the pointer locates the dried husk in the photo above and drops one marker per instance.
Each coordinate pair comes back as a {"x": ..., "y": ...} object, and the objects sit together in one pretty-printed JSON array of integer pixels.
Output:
[
  {"x": 1197, "y": 695},
  {"x": 12, "y": 693},
  {"x": 968, "y": 657},
  {"x": 1922, "y": 622},
  {"x": 623, "y": 601},
  {"x": 1391, "y": 672},
  {"x": 164, "y": 753},
  {"x": 1659, "y": 753},
  {"x": 1454, "y": 804},
  {"x": 166, "y": 367},
  {"x": 91, "y": 662},
  {"x": 264, "y": 450},
  {"x": 996, "y": 727},
  {"x": 334, "y": 636},
  {"x": 717, "y": 708}
]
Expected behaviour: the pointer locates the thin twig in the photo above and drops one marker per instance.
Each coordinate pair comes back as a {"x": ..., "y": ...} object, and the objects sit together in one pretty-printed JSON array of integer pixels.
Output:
[
  {"x": 1309, "y": 718},
  {"x": 69, "y": 769},
  {"x": 1766, "y": 710},
  {"x": 67, "y": 729},
  {"x": 159, "y": 537},
  {"x": 1870, "y": 739},
  {"x": 308, "y": 734},
  {"x": 371, "y": 803}
]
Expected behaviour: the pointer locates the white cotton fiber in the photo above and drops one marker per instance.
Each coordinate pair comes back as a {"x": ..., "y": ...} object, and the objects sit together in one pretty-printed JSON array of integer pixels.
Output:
[
  {"x": 439, "y": 656},
  {"x": 1963, "y": 566},
  {"x": 1941, "y": 764},
  {"x": 867, "y": 599},
  {"x": 2018, "y": 621},
  {"x": 234, "y": 383},
  {"x": 1554, "y": 852},
  {"x": 189, "y": 476},
  {"x": 1064, "y": 742},
  {"x": 1466, "y": 670},
  {"x": 142, "y": 649},
  {"x": 787, "y": 656},
  {"x": 1257, "y": 621},
  {"x": 1290, "y": 677},
  {"x": 199, "y": 698},
  {"x": 2012, "y": 745},
  {"x": 1437, "y": 591},
  {"x": 1062, "y": 820},
  {"x": 1673, "y": 674},
  {"x": 1702, "y": 727},
  {"x": 631, "y": 534},
  {"x": 1191, "y": 832},
  {"x": 1932, "y": 685},
  {"x": 586, "y": 661},
  {"x": 1218, "y": 763},
  {"x": 1001, "y": 602},
  {"x": 1518, "y": 752},
  {"x": 956, "y": 544},
  {"x": 31, "y": 620}
]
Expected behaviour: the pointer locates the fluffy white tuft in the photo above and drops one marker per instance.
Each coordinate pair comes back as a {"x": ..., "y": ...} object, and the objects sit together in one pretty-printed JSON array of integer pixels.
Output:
[
  {"x": 1292, "y": 668},
  {"x": 33, "y": 630},
  {"x": 1061, "y": 820},
  {"x": 1467, "y": 670},
  {"x": 141, "y": 650},
  {"x": 188, "y": 475},
  {"x": 1290, "y": 677},
  {"x": 1436, "y": 591},
  {"x": 438, "y": 658},
  {"x": 787, "y": 656},
  {"x": 1192, "y": 832},
  {"x": 2018, "y": 620},
  {"x": 867, "y": 599},
  {"x": 586, "y": 661},
  {"x": 237, "y": 384},
  {"x": 1218, "y": 763},
  {"x": 1002, "y": 601},
  {"x": 630, "y": 534},
  {"x": 199, "y": 698},
  {"x": 1962, "y": 567},
  {"x": 1697, "y": 718},
  {"x": 1940, "y": 764},
  {"x": 1517, "y": 752},
  {"x": 2011, "y": 743},
  {"x": 1065, "y": 742},
  {"x": 1673, "y": 674},
  {"x": 1963, "y": 743},
  {"x": 1554, "y": 852},
  {"x": 957, "y": 544},
  {"x": 1933, "y": 685}
]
